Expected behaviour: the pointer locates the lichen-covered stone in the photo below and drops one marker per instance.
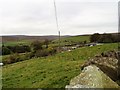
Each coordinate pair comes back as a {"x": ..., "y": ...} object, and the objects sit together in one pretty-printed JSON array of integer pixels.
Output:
[
  {"x": 102, "y": 71},
  {"x": 92, "y": 77}
]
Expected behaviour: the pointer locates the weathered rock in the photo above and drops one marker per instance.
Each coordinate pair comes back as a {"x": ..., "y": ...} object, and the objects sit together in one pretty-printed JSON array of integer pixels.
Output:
[
  {"x": 76, "y": 86},
  {"x": 118, "y": 57},
  {"x": 107, "y": 62},
  {"x": 112, "y": 53},
  {"x": 103, "y": 71},
  {"x": 91, "y": 77}
]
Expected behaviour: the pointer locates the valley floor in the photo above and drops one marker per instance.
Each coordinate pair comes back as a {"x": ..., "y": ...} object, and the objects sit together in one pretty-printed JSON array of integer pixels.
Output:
[{"x": 50, "y": 72}]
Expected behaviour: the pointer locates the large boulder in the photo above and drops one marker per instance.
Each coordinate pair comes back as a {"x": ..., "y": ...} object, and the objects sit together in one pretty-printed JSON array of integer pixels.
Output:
[
  {"x": 108, "y": 62},
  {"x": 102, "y": 71},
  {"x": 91, "y": 77}
]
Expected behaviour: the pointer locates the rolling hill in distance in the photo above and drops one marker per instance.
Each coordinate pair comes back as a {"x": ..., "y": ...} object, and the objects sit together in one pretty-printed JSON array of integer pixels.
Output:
[
  {"x": 25, "y": 37},
  {"x": 6, "y": 38}
]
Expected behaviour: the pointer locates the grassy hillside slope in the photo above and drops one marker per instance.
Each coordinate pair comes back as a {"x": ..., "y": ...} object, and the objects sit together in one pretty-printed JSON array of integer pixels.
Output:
[
  {"x": 64, "y": 40},
  {"x": 71, "y": 40},
  {"x": 50, "y": 72},
  {"x": 21, "y": 42}
]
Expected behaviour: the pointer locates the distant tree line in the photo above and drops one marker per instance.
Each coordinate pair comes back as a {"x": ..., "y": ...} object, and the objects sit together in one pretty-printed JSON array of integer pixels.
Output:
[
  {"x": 105, "y": 38},
  {"x": 15, "y": 49}
]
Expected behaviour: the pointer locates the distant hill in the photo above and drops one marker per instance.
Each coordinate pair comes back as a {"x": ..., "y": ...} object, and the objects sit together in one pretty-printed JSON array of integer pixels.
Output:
[{"x": 23, "y": 37}]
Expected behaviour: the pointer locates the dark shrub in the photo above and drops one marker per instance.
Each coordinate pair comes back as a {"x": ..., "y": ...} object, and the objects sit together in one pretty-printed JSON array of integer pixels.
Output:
[
  {"x": 45, "y": 52},
  {"x": 41, "y": 53},
  {"x": 26, "y": 48},
  {"x": 36, "y": 45},
  {"x": 22, "y": 49},
  {"x": 29, "y": 55},
  {"x": 12, "y": 48},
  {"x": 6, "y": 51},
  {"x": 46, "y": 42},
  {"x": 95, "y": 37},
  {"x": 14, "y": 58},
  {"x": 52, "y": 51},
  {"x": 19, "y": 48},
  {"x": 85, "y": 42}
]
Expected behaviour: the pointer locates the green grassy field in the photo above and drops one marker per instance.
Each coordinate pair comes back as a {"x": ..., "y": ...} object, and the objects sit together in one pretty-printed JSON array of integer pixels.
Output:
[
  {"x": 51, "y": 72},
  {"x": 67, "y": 40},
  {"x": 5, "y": 57},
  {"x": 70, "y": 40},
  {"x": 13, "y": 43}
]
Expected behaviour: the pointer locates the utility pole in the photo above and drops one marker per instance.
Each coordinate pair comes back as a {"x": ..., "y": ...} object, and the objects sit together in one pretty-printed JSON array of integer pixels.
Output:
[
  {"x": 59, "y": 40},
  {"x": 55, "y": 8}
]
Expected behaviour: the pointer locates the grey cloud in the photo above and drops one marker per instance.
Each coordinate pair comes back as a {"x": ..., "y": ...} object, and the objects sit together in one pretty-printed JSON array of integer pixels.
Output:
[{"x": 37, "y": 16}]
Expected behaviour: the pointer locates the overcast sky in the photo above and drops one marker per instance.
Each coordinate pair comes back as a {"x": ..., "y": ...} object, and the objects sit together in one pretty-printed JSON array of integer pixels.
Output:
[{"x": 75, "y": 17}]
